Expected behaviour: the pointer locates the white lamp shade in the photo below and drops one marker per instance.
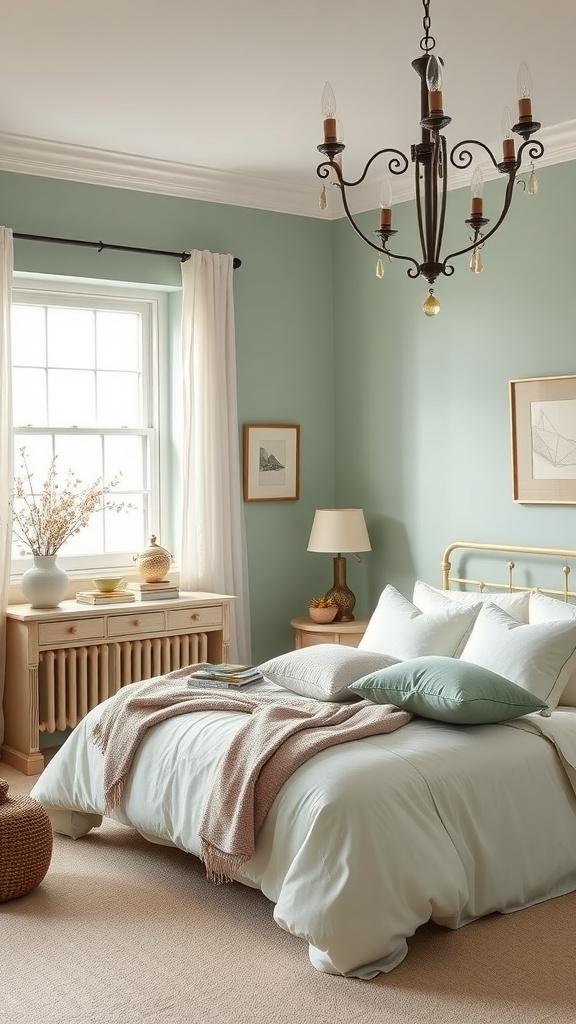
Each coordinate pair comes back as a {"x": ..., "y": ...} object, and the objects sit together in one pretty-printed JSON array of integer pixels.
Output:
[{"x": 339, "y": 529}]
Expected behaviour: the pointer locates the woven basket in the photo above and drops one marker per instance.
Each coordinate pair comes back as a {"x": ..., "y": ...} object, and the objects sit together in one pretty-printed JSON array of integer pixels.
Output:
[{"x": 25, "y": 844}]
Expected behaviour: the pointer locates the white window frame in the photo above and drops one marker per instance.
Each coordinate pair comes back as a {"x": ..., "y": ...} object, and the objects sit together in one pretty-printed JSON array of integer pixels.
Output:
[{"x": 152, "y": 305}]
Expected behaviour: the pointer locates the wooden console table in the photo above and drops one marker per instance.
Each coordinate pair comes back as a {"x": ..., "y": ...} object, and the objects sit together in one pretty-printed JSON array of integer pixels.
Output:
[{"x": 60, "y": 663}]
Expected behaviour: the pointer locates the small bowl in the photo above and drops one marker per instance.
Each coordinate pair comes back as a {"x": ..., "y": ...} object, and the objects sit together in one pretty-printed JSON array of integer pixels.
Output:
[
  {"x": 326, "y": 614},
  {"x": 106, "y": 584}
]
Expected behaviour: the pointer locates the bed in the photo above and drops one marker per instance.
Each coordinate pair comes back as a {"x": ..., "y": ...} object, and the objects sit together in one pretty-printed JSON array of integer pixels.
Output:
[{"x": 468, "y": 809}]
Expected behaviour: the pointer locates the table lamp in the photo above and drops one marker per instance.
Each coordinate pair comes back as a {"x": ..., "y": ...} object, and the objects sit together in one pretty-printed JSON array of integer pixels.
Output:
[{"x": 338, "y": 530}]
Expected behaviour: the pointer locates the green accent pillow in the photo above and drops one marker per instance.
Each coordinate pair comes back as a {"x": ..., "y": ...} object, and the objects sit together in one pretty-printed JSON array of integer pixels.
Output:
[{"x": 448, "y": 690}]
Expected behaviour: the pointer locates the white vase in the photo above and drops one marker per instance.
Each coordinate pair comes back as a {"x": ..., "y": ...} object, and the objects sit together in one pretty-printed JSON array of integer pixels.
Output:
[{"x": 45, "y": 583}]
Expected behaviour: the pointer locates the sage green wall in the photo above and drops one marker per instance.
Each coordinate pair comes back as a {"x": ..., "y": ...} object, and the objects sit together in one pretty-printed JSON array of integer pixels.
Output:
[
  {"x": 284, "y": 331},
  {"x": 403, "y": 415},
  {"x": 422, "y": 425}
]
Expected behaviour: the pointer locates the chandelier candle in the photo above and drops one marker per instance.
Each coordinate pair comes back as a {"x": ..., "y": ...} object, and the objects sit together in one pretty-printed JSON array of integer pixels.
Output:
[{"x": 432, "y": 162}]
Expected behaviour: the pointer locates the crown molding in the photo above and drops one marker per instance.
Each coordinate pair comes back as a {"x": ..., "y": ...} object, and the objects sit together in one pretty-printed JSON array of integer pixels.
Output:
[{"x": 25, "y": 155}]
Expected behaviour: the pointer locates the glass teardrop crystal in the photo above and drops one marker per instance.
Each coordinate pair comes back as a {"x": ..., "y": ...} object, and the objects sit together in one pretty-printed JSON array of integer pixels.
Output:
[
  {"x": 532, "y": 184},
  {"x": 431, "y": 306},
  {"x": 323, "y": 201},
  {"x": 379, "y": 267},
  {"x": 476, "y": 265}
]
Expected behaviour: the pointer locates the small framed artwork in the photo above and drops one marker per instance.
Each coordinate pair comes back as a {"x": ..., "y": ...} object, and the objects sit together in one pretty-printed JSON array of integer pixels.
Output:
[
  {"x": 271, "y": 462},
  {"x": 543, "y": 432}
]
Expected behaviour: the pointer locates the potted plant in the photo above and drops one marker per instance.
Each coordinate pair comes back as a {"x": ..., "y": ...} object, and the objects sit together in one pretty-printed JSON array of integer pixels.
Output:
[{"x": 322, "y": 609}]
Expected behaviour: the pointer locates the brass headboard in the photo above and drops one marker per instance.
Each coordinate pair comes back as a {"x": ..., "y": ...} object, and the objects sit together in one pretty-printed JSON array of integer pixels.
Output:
[{"x": 564, "y": 554}]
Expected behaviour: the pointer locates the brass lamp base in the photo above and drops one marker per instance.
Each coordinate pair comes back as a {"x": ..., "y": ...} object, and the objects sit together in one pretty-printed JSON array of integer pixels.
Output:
[{"x": 340, "y": 593}]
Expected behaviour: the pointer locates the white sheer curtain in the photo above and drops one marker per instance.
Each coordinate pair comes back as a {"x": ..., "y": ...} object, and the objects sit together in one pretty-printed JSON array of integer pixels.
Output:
[
  {"x": 6, "y": 443},
  {"x": 213, "y": 549}
]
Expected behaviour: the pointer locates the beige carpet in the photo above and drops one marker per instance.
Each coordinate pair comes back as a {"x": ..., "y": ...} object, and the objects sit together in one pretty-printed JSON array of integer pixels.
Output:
[{"x": 124, "y": 932}]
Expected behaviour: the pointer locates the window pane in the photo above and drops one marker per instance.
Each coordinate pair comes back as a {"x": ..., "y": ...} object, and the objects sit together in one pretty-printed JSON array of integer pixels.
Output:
[
  {"x": 118, "y": 339},
  {"x": 71, "y": 337},
  {"x": 80, "y": 454},
  {"x": 38, "y": 452},
  {"x": 118, "y": 400},
  {"x": 124, "y": 456},
  {"x": 71, "y": 398},
  {"x": 28, "y": 331},
  {"x": 89, "y": 538},
  {"x": 29, "y": 397},
  {"x": 125, "y": 529}
]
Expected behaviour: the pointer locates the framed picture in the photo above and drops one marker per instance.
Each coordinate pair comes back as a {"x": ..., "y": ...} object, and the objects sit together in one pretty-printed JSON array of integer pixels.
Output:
[
  {"x": 543, "y": 429},
  {"x": 271, "y": 462}
]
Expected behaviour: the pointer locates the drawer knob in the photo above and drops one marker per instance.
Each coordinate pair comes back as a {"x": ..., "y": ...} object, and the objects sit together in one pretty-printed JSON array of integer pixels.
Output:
[
  {"x": 137, "y": 622},
  {"x": 73, "y": 630},
  {"x": 195, "y": 617}
]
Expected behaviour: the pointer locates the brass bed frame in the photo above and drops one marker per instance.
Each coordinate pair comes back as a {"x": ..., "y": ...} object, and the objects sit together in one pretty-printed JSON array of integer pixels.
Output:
[{"x": 565, "y": 554}]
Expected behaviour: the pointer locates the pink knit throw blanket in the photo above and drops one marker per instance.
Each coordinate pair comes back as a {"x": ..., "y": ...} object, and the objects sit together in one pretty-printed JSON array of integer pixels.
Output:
[{"x": 280, "y": 734}]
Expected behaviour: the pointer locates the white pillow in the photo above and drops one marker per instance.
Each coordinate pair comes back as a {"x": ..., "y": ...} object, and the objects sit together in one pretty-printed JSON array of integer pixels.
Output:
[
  {"x": 540, "y": 657},
  {"x": 324, "y": 671},
  {"x": 397, "y": 627},
  {"x": 550, "y": 609},
  {"x": 428, "y": 599}
]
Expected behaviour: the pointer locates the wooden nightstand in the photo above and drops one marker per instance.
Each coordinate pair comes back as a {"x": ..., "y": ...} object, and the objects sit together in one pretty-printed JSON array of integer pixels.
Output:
[{"x": 308, "y": 633}]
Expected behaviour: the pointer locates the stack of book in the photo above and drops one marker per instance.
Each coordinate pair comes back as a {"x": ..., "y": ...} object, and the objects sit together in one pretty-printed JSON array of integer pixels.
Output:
[
  {"x": 225, "y": 676},
  {"x": 101, "y": 597},
  {"x": 163, "y": 590}
]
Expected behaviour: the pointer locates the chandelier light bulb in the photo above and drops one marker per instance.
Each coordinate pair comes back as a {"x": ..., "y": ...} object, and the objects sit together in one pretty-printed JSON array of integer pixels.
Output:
[
  {"x": 477, "y": 188},
  {"x": 524, "y": 88},
  {"x": 386, "y": 204},
  {"x": 329, "y": 110},
  {"x": 328, "y": 101},
  {"x": 434, "y": 83},
  {"x": 506, "y": 123},
  {"x": 434, "y": 74}
]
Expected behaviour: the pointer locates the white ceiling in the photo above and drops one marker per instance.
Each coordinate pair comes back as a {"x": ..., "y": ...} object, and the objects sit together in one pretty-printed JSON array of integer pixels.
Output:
[{"x": 221, "y": 99}]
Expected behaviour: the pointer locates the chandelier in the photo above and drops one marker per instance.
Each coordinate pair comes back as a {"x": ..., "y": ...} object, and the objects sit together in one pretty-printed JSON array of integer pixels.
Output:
[{"x": 431, "y": 162}]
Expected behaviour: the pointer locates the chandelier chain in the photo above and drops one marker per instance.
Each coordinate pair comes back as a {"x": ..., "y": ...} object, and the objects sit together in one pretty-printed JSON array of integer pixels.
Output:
[{"x": 428, "y": 42}]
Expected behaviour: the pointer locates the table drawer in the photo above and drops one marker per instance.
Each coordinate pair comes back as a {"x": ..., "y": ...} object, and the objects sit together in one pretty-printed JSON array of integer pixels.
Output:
[
  {"x": 201, "y": 617},
  {"x": 135, "y": 623},
  {"x": 50, "y": 634}
]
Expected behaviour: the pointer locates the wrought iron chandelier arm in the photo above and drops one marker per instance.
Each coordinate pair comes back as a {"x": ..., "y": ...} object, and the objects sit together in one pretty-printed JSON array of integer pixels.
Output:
[
  {"x": 397, "y": 164},
  {"x": 468, "y": 248},
  {"x": 379, "y": 248},
  {"x": 462, "y": 158},
  {"x": 535, "y": 150}
]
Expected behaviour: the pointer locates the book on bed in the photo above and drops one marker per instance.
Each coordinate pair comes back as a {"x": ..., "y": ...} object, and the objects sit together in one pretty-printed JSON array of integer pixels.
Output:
[{"x": 225, "y": 675}]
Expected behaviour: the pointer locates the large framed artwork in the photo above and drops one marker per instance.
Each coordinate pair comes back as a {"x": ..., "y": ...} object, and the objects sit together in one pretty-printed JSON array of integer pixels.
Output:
[
  {"x": 543, "y": 431},
  {"x": 271, "y": 462}
]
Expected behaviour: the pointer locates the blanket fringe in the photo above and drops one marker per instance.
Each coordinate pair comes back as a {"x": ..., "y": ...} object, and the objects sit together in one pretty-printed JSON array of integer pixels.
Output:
[
  {"x": 114, "y": 795},
  {"x": 220, "y": 866}
]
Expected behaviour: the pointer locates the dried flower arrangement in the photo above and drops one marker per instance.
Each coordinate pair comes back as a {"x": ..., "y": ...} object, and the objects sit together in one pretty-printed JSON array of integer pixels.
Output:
[{"x": 45, "y": 519}]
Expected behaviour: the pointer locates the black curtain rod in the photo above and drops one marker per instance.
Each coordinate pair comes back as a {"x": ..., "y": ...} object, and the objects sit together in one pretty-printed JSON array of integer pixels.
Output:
[{"x": 182, "y": 256}]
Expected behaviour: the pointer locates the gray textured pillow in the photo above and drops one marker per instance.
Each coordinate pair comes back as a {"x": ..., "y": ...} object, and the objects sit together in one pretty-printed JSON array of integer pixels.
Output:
[
  {"x": 324, "y": 671},
  {"x": 448, "y": 690}
]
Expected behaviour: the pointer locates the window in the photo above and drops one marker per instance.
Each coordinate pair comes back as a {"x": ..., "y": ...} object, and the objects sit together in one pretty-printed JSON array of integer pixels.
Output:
[{"x": 86, "y": 389}]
